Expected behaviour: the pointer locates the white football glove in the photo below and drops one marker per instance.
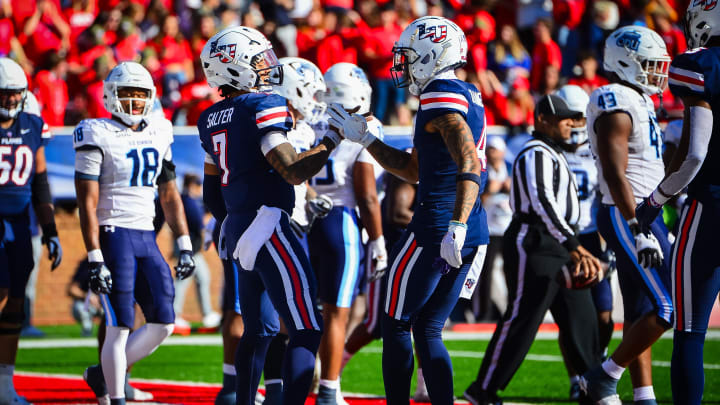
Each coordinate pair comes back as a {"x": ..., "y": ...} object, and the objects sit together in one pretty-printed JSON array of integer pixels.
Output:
[
  {"x": 452, "y": 244},
  {"x": 352, "y": 127},
  {"x": 649, "y": 253},
  {"x": 378, "y": 252}
]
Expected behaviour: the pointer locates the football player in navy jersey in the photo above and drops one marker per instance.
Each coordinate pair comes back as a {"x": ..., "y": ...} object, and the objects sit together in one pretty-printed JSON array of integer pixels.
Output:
[
  {"x": 251, "y": 168},
  {"x": 694, "y": 77},
  {"x": 23, "y": 183},
  {"x": 119, "y": 164},
  {"x": 449, "y": 229}
]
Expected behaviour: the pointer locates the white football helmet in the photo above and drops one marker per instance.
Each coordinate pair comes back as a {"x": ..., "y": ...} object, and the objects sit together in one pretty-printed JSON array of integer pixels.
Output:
[
  {"x": 702, "y": 22},
  {"x": 428, "y": 46},
  {"x": 638, "y": 56},
  {"x": 348, "y": 85},
  {"x": 242, "y": 58},
  {"x": 128, "y": 74},
  {"x": 302, "y": 85},
  {"x": 31, "y": 105},
  {"x": 12, "y": 78},
  {"x": 577, "y": 99}
]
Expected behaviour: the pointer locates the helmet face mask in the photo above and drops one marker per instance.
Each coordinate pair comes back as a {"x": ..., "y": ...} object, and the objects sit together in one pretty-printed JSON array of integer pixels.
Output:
[
  {"x": 13, "y": 89},
  {"x": 638, "y": 56},
  {"x": 242, "y": 58},
  {"x": 426, "y": 48},
  {"x": 702, "y": 22},
  {"x": 127, "y": 86}
]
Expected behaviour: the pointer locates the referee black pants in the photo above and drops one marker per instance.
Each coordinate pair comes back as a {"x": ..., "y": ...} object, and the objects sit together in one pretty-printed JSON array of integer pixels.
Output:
[{"x": 533, "y": 259}]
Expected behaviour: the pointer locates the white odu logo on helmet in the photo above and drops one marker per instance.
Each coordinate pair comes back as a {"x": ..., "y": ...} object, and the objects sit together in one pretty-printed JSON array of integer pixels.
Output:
[
  {"x": 427, "y": 47},
  {"x": 638, "y": 56},
  {"x": 128, "y": 74},
  {"x": 302, "y": 84},
  {"x": 12, "y": 77},
  {"x": 702, "y": 22},
  {"x": 348, "y": 85},
  {"x": 242, "y": 58}
]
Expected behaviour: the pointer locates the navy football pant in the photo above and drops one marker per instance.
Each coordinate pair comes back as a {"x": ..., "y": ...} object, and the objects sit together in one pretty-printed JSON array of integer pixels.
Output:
[
  {"x": 695, "y": 286},
  {"x": 533, "y": 258},
  {"x": 139, "y": 274},
  {"x": 281, "y": 283},
  {"x": 16, "y": 254},
  {"x": 421, "y": 297},
  {"x": 643, "y": 290}
]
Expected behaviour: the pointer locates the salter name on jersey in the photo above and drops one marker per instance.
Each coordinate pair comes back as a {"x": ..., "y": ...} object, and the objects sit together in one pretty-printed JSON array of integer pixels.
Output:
[
  {"x": 126, "y": 163},
  {"x": 220, "y": 117}
]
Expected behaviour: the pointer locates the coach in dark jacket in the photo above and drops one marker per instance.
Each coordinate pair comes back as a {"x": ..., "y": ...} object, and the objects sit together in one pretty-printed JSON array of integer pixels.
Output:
[{"x": 540, "y": 240}]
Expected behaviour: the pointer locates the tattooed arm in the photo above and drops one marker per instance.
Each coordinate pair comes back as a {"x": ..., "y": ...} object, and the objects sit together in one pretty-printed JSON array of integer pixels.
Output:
[
  {"x": 396, "y": 161},
  {"x": 294, "y": 168},
  {"x": 460, "y": 143}
]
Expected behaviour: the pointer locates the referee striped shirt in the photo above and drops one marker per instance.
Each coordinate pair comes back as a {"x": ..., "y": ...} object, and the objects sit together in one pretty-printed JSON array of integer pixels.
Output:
[{"x": 544, "y": 189}]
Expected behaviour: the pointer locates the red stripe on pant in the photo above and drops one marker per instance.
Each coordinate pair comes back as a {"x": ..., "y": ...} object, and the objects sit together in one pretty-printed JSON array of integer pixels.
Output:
[
  {"x": 402, "y": 267},
  {"x": 297, "y": 286},
  {"x": 679, "y": 270}
]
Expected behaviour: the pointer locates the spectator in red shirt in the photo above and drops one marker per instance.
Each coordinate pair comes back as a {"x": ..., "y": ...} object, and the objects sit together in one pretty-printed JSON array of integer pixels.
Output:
[
  {"x": 546, "y": 59},
  {"x": 80, "y": 15},
  {"x": 672, "y": 36},
  {"x": 129, "y": 45},
  {"x": 51, "y": 90},
  {"x": 45, "y": 30},
  {"x": 176, "y": 59},
  {"x": 95, "y": 105},
  {"x": 512, "y": 108},
  {"x": 340, "y": 45},
  {"x": 196, "y": 97},
  {"x": 310, "y": 33},
  {"x": 386, "y": 97},
  {"x": 586, "y": 73},
  {"x": 8, "y": 38}
]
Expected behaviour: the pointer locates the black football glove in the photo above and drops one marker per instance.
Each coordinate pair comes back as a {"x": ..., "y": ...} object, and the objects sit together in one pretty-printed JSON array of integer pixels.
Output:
[
  {"x": 100, "y": 279},
  {"x": 185, "y": 266},
  {"x": 51, "y": 241}
]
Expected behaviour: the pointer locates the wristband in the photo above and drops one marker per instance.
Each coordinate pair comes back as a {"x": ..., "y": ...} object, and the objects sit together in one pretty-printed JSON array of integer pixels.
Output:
[
  {"x": 458, "y": 223},
  {"x": 333, "y": 137},
  {"x": 95, "y": 256},
  {"x": 632, "y": 221},
  {"x": 657, "y": 199},
  {"x": 184, "y": 243},
  {"x": 469, "y": 176}
]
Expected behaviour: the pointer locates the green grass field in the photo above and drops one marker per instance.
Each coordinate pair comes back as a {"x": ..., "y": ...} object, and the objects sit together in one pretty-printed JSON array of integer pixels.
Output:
[{"x": 541, "y": 378}]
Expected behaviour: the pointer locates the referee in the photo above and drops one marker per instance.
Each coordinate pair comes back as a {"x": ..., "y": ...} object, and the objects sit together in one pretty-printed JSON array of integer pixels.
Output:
[{"x": 540, "y": 240}]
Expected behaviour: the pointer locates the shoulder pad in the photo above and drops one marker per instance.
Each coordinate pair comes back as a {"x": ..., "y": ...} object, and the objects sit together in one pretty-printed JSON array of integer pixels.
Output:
[
  {"x": 686, "y": 76},
  {"x": 444, "y": 94},
  {"x": 614, "y": 97},
  {"x": 39, "y": 126},
  {"x": 90, "y": 132}
]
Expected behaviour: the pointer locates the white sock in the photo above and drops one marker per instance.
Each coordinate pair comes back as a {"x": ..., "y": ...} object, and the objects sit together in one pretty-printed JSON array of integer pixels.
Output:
[
  {"x": 332, "y": 384},
  {"x": 574, "y": 379},
  {"x": 612, "y": 369},
  {"x": 114, "y": 360},
  {"x": 145, "y": 340},
  {"x": 345, "y": 359},
  {"x": 6, "y": 380},
  {"x": 641, "y": 393},
  {"x": 229, "y": 369}
]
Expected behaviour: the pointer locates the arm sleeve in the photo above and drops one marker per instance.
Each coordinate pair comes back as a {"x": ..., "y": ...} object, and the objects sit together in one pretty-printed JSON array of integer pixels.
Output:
[
  {"x": 212, "y": 196},
  {"x": 539, "y": 178},
  {"x": 88, "y": 163},
  {"x": 271, "y": 140},
  {"x": 701, "y": 128}
]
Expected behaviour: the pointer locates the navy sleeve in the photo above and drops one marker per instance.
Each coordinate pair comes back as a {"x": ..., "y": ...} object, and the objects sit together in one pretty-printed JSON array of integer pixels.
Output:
[
  {"x": 442, "y": 97},
  {"x": 687, "y": 76}
]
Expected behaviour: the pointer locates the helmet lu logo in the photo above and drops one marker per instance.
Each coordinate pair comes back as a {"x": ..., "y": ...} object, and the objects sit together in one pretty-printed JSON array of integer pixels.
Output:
[
  {"x": 225, "y": 53},
  {"x": 436, "y": 33},
  {"x": 707, "y": 4}
]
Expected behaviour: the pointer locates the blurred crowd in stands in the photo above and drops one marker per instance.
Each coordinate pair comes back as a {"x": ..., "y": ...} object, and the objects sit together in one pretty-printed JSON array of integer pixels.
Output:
[{"x": 518, "y": 49}]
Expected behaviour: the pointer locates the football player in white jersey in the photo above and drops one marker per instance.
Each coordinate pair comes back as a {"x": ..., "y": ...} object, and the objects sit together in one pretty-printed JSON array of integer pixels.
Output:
[
  {"x": 626, "y": 138},
  {"x": 335, "y": 242},
  {"x": 119, "y": 163}
]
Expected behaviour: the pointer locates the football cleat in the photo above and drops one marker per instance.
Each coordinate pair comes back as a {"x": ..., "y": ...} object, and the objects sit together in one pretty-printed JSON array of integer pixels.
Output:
[
  {"x": 600, "y": 387},
  {"x": 326, "y": 396},
  {"x": 95, "y": 379},
  {"x": 477, "y": 396}
]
